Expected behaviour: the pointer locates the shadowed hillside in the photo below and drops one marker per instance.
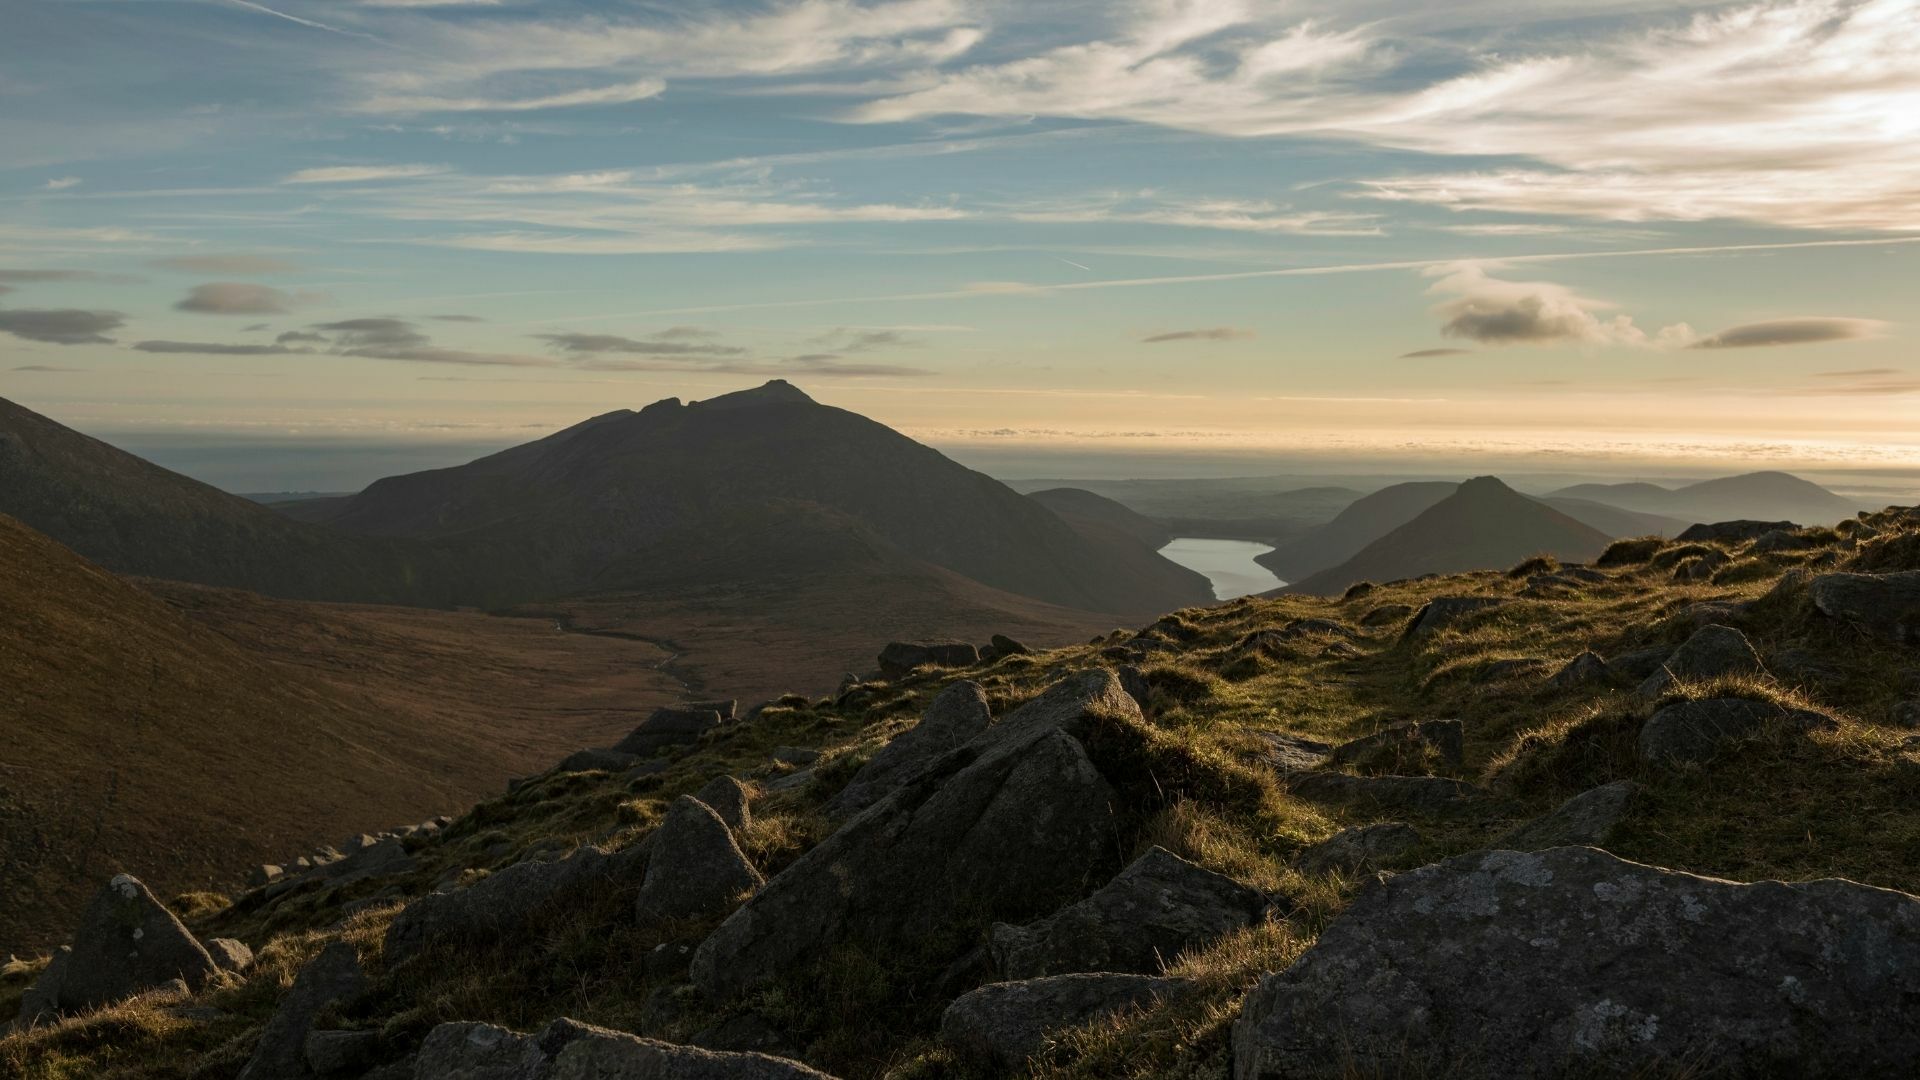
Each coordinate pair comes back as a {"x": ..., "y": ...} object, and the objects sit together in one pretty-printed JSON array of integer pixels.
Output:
[
  {"x": 1760, "y": 496},
  {"x": 1484, "y": 524},
  {"x": 1091, "y": 513},
  {"x": 691, "y": 494},
  {"x": 1365, "y": 520}
]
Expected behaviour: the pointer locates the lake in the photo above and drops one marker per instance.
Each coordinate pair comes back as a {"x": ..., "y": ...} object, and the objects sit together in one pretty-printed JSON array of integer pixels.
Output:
[{"x": 1227, "y": 563}]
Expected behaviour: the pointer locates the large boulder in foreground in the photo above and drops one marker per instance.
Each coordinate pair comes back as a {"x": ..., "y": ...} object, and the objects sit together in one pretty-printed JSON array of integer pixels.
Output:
[
  {"x": 1002, "y": 1025},
  {"x": 1155, "y": 909},
  {"x": 570, "y": 1050},
  {"x": 1574, "y": 962},
  {"x": 127, "y": 942},
  {"x": 1886, "y": 606},
  {"x": 696, "y": 869},
  {"x": 954, "y": 717},
  {"x": 1005, "y": 827}
]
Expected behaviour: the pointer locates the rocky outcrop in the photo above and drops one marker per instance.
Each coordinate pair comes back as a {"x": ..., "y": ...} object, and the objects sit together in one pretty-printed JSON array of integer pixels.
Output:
[
  {"x": 696, "y": 870},
  {"x": 509, "y": 900},
  {"x": 229, "y": 955},
  {"x": 331, "y": 977},
  {"x": 1003, "y": 645},
  {"x": 1732, "y": 531},
  {"x": 955, "y": 716},
  {"x": 673, "y": 725},
  {"x": 1015, "y": 819},
  {"x": 570, "y": 1050},
  {"x": 127, "y": 942},
  {"x": 1573, "y": 962},
  {"x": 899, "y": 657},
  {"x": 1588, "y": 819},
  {"x": 1410, "y": 794},
  {"x": 1293, "y": 753},
  {"x": 1408, "y": 743},
  {"x": 1155, "y": 909},
  {"x": 1444, "y": 611},
  {"x": 1362, "y": 847},
  {"x": 729, "y": 798},
  {"x": 1713, "y": 652},
  {"x": 1003, "y": 1025},
  {"x": 1696, "y": 732},
  {"x": 1886, "y": 606}
]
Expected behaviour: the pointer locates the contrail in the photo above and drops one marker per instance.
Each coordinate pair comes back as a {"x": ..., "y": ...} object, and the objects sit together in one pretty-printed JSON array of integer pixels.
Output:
[
  {"x": 265, "y": 10},
  {"x": 1244, "y": 275},
  {"x": 1076, "y": 265}
]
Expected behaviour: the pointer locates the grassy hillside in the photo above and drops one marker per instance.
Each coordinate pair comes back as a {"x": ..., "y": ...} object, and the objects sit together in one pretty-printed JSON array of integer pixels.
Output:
[{"x": 1196, "y": 774}]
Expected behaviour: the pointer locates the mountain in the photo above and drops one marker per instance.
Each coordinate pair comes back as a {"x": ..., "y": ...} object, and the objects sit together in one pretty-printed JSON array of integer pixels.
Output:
[
  {"x": 1365, "y": 520},
  {"x": 1086, "y": 512},
  {"x": 728, "y": 489},
  {"x": 134, "y": 517},
  {"x": 1483, "y": 525},
  {"x": 1613, "y": 520},
  {"x": 1760, "y": 496},
  {"x": 140, "y": 738}
]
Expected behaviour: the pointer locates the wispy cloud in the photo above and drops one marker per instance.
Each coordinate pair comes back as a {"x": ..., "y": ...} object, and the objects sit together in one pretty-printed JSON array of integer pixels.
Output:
[
  {"x": 242, "y": 298},
  {"x": 361, "y": 174},
  {"x": 615, "y": 94},
  {"x": 1433, "y": 354},
  {"x": 1211, "y": 333},
  {"x": 61, "y": 183},
  {"x": 655, "y": 346},
  {"x": 209, "y": 348},
  {"x": 1806, "y": 330}
]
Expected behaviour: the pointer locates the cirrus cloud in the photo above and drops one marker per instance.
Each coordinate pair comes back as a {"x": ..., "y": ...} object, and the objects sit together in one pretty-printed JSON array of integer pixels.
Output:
[{"x": 1211, "y": 333}]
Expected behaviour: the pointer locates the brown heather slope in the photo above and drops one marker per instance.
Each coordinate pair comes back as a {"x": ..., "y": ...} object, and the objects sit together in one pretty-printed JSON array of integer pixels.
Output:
[
  {"x": 138, "y": 739},
  {"x": 1483, "y": 525}
]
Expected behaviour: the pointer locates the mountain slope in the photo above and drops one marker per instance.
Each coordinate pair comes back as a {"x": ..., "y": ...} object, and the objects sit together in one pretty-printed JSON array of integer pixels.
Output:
[
  {"x": 1085, "y": 510},
  {"x": 1365, "y": 520},
  {"x": 1762, "y": 496},
  {"x": 1613, "y": 520},
  {"x": 687, "y": 494},
  {"x": 1484, "y": 525},
  {"x": 135, "y": 517}
]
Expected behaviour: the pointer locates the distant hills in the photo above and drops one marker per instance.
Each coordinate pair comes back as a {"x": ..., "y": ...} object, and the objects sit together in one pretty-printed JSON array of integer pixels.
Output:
[
  {"x": 1091, "y": 513},
  {"x": 1760, "y": 496},
  {"x": 1365, "y": 520},
  {"x": 1483, "y": 524}
]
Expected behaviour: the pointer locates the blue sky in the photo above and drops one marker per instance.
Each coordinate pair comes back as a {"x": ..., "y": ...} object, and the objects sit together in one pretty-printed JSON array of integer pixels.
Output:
[{"x": 1601, "y": 231}]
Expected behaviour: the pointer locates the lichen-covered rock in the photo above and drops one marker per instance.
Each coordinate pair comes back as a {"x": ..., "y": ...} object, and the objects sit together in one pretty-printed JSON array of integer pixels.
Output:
[
  {"x": 696, "y": 869},
  {"x": 333, "y": 976},
  {"x": 1573, "y": 962},
  {"x": 570, "y": 1050},
  {"x": 1413, "y": 794},
  {"x": 1713, "y": 652},
  {"x": 509, "y": 900},
  {"x": 1695, "y": 732},
  {"x": 1361, "y": 847},
  {"x": 1407, "y": 743},
  {"x": 1588, "y": 819},
  {"x": 127, "y": 942},
  {"x": 729, "y": 798},
  {"x": 1155, "y": 909},
  {"x": 955, "y": 716},
  {"x": 1003, "y": 827},
  {"x": 1887, "y": 606},
  {"x": 1003, "y": 1025}
]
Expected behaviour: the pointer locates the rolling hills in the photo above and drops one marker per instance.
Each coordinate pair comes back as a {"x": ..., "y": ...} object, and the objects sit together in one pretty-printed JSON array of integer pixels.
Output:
[
  {"x": 1484, "y": 524},
  {"x": 1759, "y": 496}
]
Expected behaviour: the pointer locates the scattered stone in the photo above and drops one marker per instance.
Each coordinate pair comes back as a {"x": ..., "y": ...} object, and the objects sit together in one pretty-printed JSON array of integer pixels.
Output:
[
  {"x": 382, "y": 858},
  {"x": 1694, "y": 732},
  {"x": 1362, "y": 847},
  {"x": 1387, "y": 613},
  {"x": 1016, "y": 819},
  {"x": 1588, "y": 819},
  {"x": 669, "y": 726},
  {"x": 331, "y": 977},
  {"x": 1003, "y": 1025},
  {"x": 1573, "y": 962},
  {"x": 1732, "y": 531},
  {"x": 1587, "y": 669},
  {"x": 1294, "y": 753},
  {"x": 729, "y": 798},
  {"x": 596, "y": 761},
  {"x": 697, "y": 870},
  {"x": 333, "y": 1053},
  {"x": 509, "y": 900},
  {"x": 900, "y": 657},
  {"x": 570, "y": 1050},
  {"x": 1155, "y": 909},
  {"x": 1886, "y": 606},
  {"x": 1414, "y": 794},
  {"x": 229, "y": 955},
  {"x": 127, "y": 942},
  {"x": 264, "y": 874},
  {"x": 1006, "y": 646},
  {"x": 956, "y": 715},
  {"x": 1713, "y": 652},
  {"x": 1406, "y": 743},
  {"x": 1444, "y": 611}
]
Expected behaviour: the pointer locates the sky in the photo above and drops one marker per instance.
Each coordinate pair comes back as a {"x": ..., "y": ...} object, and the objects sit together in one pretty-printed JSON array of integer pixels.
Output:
[{"x": 325, "y": 240}]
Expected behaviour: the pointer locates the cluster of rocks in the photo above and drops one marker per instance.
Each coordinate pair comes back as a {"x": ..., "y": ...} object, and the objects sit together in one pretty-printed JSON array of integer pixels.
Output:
[
  {"x": 359, "y": 858},
  {"x": 899, "y": 658}
]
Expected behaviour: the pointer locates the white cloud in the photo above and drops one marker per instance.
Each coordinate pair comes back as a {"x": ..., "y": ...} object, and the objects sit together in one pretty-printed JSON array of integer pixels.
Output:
[
  {"x": 1497, "y": 312},
  {"x": 62, "y": 183},
  {"x": 359, "y": 174},
  {"x": 617, "y": 94}
]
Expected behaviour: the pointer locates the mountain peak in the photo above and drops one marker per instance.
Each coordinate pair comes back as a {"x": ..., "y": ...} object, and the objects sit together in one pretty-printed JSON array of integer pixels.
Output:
[
  {"x": 772, "y": 392},
  {"x": 1484, "y": 486}
]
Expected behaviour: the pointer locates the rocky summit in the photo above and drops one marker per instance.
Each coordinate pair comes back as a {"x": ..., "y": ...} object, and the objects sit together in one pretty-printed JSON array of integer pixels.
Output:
[{"x": 1483, "y": 825}]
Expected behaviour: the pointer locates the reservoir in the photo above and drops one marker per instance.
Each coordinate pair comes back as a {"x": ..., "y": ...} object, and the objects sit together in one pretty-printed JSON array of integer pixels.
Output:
[{"x": 1227, "y": 563}]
